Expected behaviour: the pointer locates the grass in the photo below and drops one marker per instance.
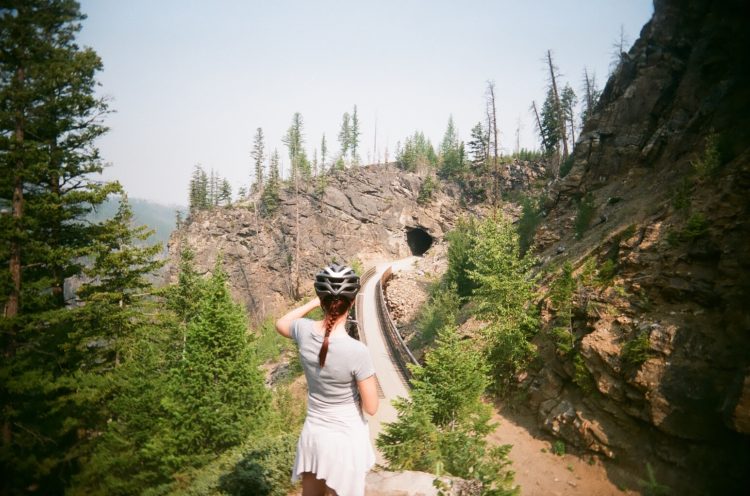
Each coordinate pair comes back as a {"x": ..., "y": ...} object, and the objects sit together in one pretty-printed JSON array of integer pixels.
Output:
[{"x": 268, "y": 343}]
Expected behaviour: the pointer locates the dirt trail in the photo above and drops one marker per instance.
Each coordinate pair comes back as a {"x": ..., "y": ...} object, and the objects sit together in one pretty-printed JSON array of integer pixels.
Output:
[{"x": 540, "y": 472}]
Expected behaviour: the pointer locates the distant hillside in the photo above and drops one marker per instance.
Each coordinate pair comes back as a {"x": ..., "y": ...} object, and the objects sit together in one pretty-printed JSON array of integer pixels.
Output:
[{"x": 159, "y": 217}]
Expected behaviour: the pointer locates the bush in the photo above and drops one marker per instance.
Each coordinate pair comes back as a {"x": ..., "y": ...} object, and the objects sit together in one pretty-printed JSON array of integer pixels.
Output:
[
  {"x": 636, "y": 351},
  {"x": 426, "y": 190},
  {"x": 439, "y": 311},
  {"x": 582, "y": 376},
  {"x": 585, "y": 214},
  {"x": 695, "y": 228},
  {"x": 264, "y": 470},
  {"x": 531, "y": 215},
  {"x": 558, "y": 447},
  {"x": 566, "y": 166},
  {"x": 709, "y": 162}
]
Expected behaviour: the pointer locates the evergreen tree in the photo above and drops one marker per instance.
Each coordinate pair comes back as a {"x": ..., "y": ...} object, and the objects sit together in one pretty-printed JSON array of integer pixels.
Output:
[
  {"x": 451, "y": 152},
  {"x": 323, "y": 154},
  {"x": 270, "y": 196},
  {"x": 503, "y": 295},
  {"x": 345, "y": 135},
  {"x": 354, "y": 134},
  {"x": 294, "y": 141},
  {"x": 568, "y": 101},
  {"x": 416, "y": 154},
  {"x": 443, "y": 425},
  {"x": 198, "y": 190},
  {"x": 50, "y": 118},
  {"x": 217, "y": 393},
  {"x": 479, "y": 144},
  {"x": 225, "y": 193},
  {"x": 258, "y": 155},
  {"x": 550, "y": 131}
]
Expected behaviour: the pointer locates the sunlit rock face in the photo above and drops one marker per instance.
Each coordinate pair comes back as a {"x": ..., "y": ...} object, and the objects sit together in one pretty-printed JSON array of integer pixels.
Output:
[
  {"x": 679, "y": 244},
  {"x": 364, "y": 214}
]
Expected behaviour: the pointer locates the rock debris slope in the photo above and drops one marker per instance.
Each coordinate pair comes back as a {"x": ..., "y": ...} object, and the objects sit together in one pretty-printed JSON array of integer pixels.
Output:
[{"x": 662, "y": 169}]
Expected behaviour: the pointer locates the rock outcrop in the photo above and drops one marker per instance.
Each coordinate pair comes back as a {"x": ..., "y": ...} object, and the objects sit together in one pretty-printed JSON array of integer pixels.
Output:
[
  {"x": 663, "y": 165},
  {"x": 365, "y": 214}
]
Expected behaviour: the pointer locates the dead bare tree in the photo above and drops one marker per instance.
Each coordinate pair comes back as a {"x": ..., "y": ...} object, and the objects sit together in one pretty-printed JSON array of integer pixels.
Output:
[{"x": 492, "y": 128}]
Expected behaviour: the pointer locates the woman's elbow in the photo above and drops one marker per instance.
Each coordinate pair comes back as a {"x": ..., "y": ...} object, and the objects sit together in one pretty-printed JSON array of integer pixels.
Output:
[
  {"x": 281, "y": 327},
  {"x": 371, "y": 407}
]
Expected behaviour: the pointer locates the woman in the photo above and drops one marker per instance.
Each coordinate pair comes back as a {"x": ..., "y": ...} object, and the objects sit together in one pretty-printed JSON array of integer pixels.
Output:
[{"x": 334, "y": 450}]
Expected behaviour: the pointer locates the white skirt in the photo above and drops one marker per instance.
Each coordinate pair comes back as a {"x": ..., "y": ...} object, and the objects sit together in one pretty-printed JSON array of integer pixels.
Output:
[{"x": 335, "y": 446}]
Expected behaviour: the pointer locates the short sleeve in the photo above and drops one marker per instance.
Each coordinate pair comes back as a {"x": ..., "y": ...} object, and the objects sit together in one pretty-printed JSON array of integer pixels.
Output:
[
  {"x": 364, "y": 367},
  {"x": 295, "y": 330}
]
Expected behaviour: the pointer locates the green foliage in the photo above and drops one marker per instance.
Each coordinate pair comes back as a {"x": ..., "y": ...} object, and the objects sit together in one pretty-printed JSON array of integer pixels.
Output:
[
  {"x": 651, "y": 487},
  {"x": 269, "y": 344},
  {"x": 440, "y": 310},
  {"x": 561, "y": 295},
  {"x": 585, "y": 214},
  {"x": 558, "y": 447},
  {"x": 356, "y": 265},
  {"x": 460, "y": 243},
  {"x": 696, "y": 227},
  {"x": 637, "y": 350},
  {"x": 452, "y": 154},
  {"x": 681, "y": 197},
  {"x": 443, "y": 425},
  {"x": 417, "y": 153},
  {"x": 503, "y": 294},
  {"x": 582, "y": 376},
  {"x": 566, "y": 166},
  {"x": 708, "y": 164},
  {"x": 528, "y": 155},
  {"x": 426, "y": 190},
  {"x": 531, "y": 216},
  {"x": 263, "y": 469},
  {"x": 606, "y": 272},
  {"x": 563, "y": 339}
]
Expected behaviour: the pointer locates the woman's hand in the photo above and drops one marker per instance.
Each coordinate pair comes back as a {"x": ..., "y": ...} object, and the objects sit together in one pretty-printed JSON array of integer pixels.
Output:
[{"x": 284, "y": 324}]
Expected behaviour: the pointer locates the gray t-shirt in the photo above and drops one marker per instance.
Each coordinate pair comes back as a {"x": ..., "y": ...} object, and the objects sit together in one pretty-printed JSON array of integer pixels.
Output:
[{"x": 347, "y": 362}]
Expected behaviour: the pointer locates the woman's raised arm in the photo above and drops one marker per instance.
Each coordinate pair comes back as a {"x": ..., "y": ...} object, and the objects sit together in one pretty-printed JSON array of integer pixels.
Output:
[{"x": 284, "y": 324}]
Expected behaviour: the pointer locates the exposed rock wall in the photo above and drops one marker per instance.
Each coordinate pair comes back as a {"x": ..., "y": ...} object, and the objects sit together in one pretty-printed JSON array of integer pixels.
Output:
[
  {"x": 680, "y": 245},
  {"x": 363, "y": 214}
]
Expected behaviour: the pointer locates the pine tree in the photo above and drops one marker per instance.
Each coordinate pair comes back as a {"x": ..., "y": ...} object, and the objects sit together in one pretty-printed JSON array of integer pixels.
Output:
[
  {"x": 49, "y": 119},
  {"x": 198, "y": 190},
  {"x": 451, "y": 152},
  {"x": 479, "y": 144},
  {"x": 354, "y": 134},
  {"x": 270, "y": 196},
  {"x": 258, "y": 155},
  {"x": 218, "y": 396},
  {"x": 294, "y": 141},
  {"x": 503, "y": 295},
  {"x": 225, "y": 193},
  {"x": 345, "y": 135},
  {"x": 323, "y": 154},
  {"x": 442, "y": 426},
  {"x": 568, "y": 101}
]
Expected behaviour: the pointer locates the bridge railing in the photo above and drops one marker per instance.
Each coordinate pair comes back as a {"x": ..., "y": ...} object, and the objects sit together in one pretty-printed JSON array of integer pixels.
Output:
[{"x": 400, "y": 353}]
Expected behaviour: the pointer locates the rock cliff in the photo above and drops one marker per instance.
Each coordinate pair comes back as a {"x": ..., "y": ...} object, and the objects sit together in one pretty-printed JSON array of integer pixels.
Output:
[
  {"x": 657, "y": 204},
  {"x": 365, "y": 214}
]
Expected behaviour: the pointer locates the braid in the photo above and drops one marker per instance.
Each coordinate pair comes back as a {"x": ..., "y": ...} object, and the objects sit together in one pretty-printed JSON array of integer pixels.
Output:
[{"x": 334, "y": 308}]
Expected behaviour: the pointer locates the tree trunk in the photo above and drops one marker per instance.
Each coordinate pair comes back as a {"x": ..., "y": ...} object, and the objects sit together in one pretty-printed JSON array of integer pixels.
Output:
[{"x": 296, "y": 257}]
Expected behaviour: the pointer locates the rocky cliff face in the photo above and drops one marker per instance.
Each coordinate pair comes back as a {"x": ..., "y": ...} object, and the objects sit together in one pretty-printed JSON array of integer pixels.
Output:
[
  {"x": 663, "y": 170},
  {"x": 365, "y": 214}
]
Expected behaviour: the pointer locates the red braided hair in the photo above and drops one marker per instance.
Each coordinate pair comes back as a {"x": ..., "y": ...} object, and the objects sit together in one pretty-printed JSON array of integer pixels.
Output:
[{"x": 334, "y": 307}]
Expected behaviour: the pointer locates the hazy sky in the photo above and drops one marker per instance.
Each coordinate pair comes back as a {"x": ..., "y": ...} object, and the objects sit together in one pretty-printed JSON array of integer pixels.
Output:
[{"x": 191, "y": 80}]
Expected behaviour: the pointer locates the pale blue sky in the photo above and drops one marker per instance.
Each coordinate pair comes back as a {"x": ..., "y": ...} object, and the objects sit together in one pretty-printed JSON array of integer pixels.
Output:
[{"x": 192, "y": 80}]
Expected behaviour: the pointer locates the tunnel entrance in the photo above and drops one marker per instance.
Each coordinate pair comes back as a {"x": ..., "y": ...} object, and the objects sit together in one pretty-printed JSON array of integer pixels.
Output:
[{"x": 418, "y": 240}]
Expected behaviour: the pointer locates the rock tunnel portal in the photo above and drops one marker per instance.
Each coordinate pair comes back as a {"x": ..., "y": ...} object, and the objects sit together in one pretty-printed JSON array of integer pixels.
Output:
[{"x": 418, "y": 240}]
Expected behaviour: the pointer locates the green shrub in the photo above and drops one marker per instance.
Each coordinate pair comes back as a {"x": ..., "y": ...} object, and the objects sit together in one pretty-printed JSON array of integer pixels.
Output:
[
  {"x": 264, "y": 469},
  {"x": 695, "y": 228},
  {"x": 531, "y": 215},
  {"x": 439, "y": 311},
  {"x": 566, "y": 166},
  {"x": 585, "y": 214},
  {"x": 563, "y": 339},
  {"x": 268, "y": 343},
  {"x": 606, "y": 272},
  {"x": 651, "y": 487},
  {"x": 582, "y": 376},
  {"x": 709, "y": 162},
  {"x": 426, "y": 190},
  {"x": 636, "y": 351},
  {"x": 681, "y": 197},
  {"x": 558, "y": 447}
]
